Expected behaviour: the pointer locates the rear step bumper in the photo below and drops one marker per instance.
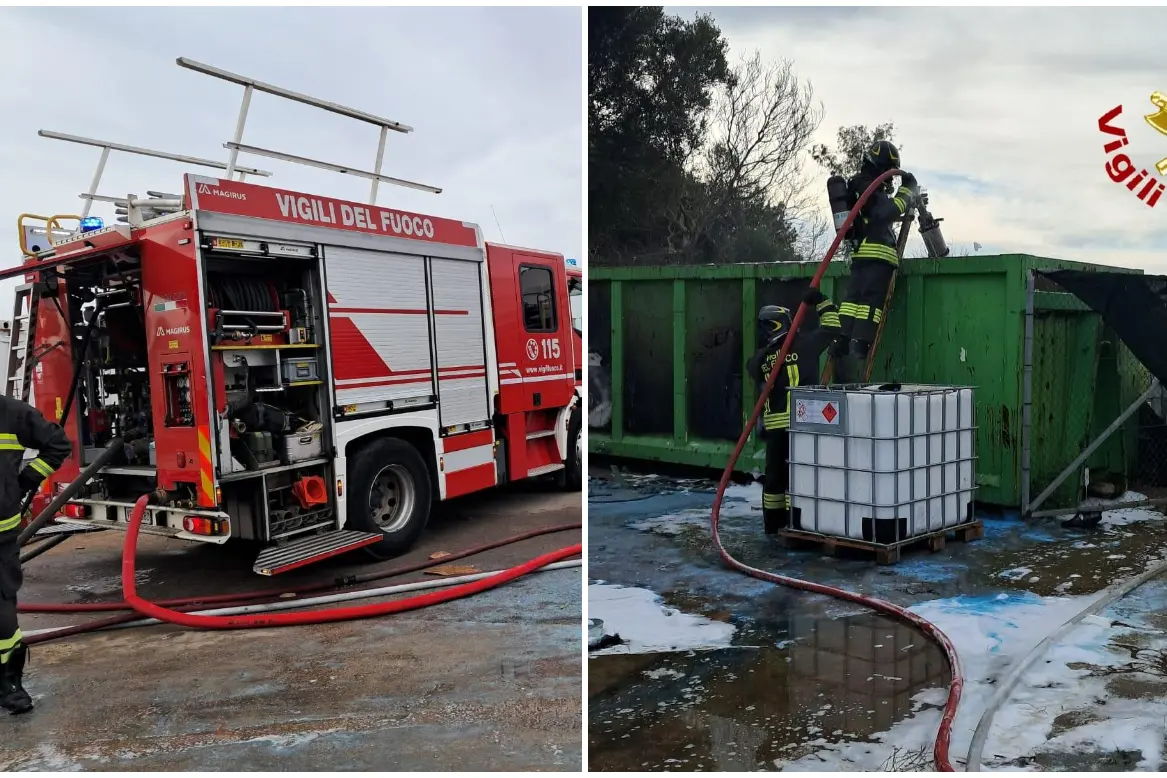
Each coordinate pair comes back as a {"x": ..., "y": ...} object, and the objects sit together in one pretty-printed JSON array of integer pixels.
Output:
[
  {"x": 66, "y": 529},
  {"x": 305, "y": 551}
]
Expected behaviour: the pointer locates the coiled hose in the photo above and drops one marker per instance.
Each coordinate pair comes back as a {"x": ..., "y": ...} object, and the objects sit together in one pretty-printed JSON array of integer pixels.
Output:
[{"x": 944, "y": 733}]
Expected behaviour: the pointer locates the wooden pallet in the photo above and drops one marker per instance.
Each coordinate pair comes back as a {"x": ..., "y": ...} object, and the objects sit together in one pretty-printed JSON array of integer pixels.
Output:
[{"x": 884, "y": 554}]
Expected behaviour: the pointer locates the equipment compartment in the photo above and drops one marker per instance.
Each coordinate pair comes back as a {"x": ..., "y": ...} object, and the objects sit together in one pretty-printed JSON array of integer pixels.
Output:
[
  {"x": 299, "y": 447},
  {"x": 298, "y": 370}
]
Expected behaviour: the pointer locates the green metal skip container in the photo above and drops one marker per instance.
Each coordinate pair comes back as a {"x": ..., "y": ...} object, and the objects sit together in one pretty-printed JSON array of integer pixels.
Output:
[{"x": 668, "y": 345}]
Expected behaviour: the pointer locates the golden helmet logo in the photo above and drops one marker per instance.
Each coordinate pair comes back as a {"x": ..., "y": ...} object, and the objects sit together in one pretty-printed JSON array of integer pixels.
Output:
[{"x": 1158, "y": 120}]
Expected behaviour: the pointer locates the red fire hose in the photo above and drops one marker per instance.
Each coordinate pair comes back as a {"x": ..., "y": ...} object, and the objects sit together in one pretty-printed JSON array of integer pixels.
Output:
[
  {"x": 240, "y": 598},
  {"x": 178, "y": 616},
  {"x": 944, "y": 734},
  {"x": 254, "y": 621}
]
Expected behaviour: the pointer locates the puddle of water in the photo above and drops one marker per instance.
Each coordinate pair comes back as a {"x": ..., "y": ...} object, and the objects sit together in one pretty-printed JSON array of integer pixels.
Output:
[{"x": 802, "y": 684}]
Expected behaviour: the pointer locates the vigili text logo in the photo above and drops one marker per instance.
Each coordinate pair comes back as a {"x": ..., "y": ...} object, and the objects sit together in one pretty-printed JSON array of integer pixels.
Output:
[{"x": 1119, "y": 166}]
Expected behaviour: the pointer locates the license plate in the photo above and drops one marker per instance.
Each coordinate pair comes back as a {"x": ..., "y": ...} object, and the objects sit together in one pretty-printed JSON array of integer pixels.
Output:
[{"x": 228, "y": 243}]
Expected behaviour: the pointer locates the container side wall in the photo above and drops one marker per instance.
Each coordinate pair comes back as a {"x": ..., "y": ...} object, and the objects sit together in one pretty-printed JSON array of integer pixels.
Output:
[
  {"x": 599, "y": 361},
  {"x": 1065, "y": 366},
  {"x": 948, "y": 329},
  {"x": 647, "y": 319},
  {"x": 713, "y": 351}
]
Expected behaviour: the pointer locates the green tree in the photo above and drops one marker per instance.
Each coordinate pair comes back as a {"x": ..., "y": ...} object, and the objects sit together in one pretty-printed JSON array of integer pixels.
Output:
[
  {"x": 851, "y": 144},
  {"x": 651, "y": 80},
  {"x": 690, "y": 160}
]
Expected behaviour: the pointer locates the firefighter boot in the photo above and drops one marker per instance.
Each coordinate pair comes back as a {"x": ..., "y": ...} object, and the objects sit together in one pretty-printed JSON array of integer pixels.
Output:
[
  {"x": 847, "y": 370},
  {"x": 839, "y": 355},
  {"x": 854, "y": 365},
  {"x": 775, "y": 519},
  {"x": 13, "y": 697}
]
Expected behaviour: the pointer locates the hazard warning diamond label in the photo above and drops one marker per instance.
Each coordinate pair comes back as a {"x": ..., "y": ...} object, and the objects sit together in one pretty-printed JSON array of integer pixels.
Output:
[{"x": 817, "y": 412}]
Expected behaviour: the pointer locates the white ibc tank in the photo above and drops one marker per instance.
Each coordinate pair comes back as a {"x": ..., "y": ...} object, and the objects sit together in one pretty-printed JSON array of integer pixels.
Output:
[{"x": 882, "y": 465}]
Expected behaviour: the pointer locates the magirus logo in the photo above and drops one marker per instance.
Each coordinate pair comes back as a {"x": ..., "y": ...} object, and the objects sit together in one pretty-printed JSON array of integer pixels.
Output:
[{"x": 207, "y": 189}]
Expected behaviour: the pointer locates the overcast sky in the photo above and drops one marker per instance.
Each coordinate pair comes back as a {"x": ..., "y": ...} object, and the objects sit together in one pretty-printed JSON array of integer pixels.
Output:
[
  {"x": 996, "y": 111},
  {"x": 494, "y": 96}
]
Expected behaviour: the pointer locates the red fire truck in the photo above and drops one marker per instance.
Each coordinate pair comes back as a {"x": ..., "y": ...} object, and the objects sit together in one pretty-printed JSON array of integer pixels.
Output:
[{"x": 307, "y": 373}]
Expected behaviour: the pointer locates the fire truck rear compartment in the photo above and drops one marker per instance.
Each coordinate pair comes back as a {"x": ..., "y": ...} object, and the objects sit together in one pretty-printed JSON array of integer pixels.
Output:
[
  {"x": 266, "y": 330},
  {"x": 272, "y": 466}
]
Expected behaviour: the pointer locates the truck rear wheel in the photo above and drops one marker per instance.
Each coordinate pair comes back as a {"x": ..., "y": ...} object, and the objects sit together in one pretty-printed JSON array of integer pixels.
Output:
[
  {"x": 571, "y": 476},
  {"x": 390, "y": 493}
]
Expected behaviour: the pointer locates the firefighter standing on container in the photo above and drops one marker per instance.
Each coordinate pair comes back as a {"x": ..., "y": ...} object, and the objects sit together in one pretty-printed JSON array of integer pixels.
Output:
[
  {"x": 774, "y": 324},
  {"x": 21, "y": 427},
  {"x": 874, "y": 259}
]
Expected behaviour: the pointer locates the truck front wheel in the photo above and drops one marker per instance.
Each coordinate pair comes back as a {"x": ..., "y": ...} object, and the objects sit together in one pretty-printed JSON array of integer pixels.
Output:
[{"x": 390, "y": 492}]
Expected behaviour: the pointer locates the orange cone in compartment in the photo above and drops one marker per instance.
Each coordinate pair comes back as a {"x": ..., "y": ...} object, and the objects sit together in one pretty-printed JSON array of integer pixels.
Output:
[{"x": 310, "y": 491}]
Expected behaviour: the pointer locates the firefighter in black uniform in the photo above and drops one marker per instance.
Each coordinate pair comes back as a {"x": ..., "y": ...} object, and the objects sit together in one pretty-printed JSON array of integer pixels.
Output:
[
  {"x": 21, "y": 427},
  {"x": 773, "y": 326},
  {"x": 873, "y": 261}
]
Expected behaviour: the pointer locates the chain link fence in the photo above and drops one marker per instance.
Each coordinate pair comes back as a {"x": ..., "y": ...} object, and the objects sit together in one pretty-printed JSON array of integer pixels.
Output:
[{"x": 1094, "y": 418}]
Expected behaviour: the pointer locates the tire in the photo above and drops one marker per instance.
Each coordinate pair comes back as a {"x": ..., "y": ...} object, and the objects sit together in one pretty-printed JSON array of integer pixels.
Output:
[
  {"x": 570, "y": 478},
  {"x": 390, "y": 474}
]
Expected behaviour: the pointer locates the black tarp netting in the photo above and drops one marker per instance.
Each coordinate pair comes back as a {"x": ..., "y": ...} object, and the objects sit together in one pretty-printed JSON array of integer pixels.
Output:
[{"x": 1134, "y": 306}]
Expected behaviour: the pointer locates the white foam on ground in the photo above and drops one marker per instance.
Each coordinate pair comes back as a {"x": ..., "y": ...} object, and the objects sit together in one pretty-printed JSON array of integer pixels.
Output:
[
  {"x": 641, "y": 618},
  {"x": 990, "y": 635},
  {"x": 1124, "y": 516},
  {"x": 673, "y": 523},
  {"x": 741, "y": 502}
]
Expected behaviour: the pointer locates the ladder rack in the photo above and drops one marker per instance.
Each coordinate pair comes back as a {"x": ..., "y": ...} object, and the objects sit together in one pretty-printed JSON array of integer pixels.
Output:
[
  {"x": 251, "y": 85},
  {"x": 106, "y": 147},
  {"x": 139, "y": 209}
]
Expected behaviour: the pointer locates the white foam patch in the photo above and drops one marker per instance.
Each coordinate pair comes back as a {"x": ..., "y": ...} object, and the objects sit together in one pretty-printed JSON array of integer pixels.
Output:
[
  {"x": 673, "y": 523},
  {"x": 991, "y": 634},
  {"x": 1124, "y": 516},
  {"x": 743, "y": 501},
  {"x": 641, "y": 618}
]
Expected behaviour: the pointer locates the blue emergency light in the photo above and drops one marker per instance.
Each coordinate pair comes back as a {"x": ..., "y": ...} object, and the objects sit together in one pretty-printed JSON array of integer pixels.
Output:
[{"x": 91, "y": 223}]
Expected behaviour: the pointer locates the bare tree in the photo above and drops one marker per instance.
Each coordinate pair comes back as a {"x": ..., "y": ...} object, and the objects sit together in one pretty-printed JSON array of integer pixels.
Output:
[
  {"x": 762, "y": 123},
  {"x": 815, "y": 232},
  {"x": 760, "y": 127}
]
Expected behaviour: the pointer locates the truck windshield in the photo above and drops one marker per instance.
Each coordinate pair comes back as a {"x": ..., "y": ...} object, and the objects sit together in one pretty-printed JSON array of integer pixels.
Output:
[{"x": 575, "y": 292}]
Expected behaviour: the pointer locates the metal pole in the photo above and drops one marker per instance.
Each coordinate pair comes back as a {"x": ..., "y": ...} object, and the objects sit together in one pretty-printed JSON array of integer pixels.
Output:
[
  {"x": 97, "y": 174},
  {"x": 377, "y": 166},
  {"x": 239, "y": 123},
  {"x": 1027, "y": 392},
  {"x": 1094, "y": 445}
]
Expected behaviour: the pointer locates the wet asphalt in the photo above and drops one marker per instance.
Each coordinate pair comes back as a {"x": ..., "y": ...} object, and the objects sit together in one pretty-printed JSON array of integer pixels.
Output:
[
  {"x": 492, "y": 682},
  {"x": 803, "y": 669}
]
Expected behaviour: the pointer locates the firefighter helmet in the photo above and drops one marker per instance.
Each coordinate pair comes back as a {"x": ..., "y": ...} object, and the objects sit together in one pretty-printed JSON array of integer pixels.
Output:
[
  {"x": 881, "y": 157},
  {"x": 774, "y": 321}
]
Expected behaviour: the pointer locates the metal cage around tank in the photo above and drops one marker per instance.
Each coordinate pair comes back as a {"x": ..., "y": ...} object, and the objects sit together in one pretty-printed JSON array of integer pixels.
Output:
[{"x": 883, "y": 472}]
